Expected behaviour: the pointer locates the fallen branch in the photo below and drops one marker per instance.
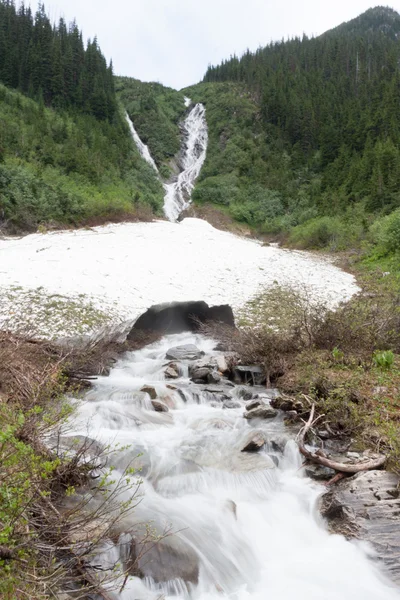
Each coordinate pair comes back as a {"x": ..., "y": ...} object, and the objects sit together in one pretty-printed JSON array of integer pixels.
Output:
[{"x": 326, "y": 462}]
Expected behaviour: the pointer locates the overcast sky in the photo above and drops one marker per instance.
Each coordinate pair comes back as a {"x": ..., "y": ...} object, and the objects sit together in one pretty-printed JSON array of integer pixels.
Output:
[{"x": 173, "y": 41}]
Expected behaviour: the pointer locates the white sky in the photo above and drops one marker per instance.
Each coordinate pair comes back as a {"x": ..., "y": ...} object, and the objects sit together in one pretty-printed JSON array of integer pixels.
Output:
[{"x": 173, "y": 41}]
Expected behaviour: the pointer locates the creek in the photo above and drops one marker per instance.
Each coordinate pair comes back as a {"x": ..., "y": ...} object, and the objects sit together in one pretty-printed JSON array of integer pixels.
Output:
[{"x": 245, "y": 525}]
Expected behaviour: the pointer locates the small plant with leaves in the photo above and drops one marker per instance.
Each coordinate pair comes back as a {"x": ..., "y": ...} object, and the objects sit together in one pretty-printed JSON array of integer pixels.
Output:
[
  {"x": 383, "y": 359},
  {"x": 337, "y": 354}
]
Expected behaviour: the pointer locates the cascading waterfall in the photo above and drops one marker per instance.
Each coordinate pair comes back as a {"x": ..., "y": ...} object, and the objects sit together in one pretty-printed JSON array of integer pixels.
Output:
[
  {"x": 246, "y": 524},
  {"x": 143, "y": 149},
  {"x": 177, "y": 196}
]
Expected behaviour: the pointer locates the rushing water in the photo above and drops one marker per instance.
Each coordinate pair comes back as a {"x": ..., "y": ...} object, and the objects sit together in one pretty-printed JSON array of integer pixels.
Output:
[
  {"x": 246, "y": 524},
  {"x": 143, "y": 149},
  {"x": 177, "y": 196}
]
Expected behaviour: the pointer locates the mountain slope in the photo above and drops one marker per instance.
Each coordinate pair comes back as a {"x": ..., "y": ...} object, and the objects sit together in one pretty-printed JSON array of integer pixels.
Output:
[
  {"x": 66, "y": 153},
  {"x": 327, "y": 118}
]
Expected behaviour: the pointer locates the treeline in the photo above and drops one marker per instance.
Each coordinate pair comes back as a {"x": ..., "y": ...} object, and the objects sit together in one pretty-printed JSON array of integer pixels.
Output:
[
  {"x": 331, "y": 104},
  {"x": 51, "y": 62}
]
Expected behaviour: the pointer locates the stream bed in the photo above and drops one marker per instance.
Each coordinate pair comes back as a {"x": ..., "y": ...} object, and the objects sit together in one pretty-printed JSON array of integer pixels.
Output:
[{"x": 244, "y": 524}]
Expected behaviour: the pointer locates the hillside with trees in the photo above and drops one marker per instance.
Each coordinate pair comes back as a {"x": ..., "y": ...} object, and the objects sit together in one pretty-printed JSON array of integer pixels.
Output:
[
  {"x": 314, "y": 124},
  {"x": 66, "y": 154}
]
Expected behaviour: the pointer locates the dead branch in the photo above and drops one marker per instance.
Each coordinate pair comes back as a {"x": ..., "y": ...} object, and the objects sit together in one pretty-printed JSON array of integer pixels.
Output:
[{"x": 326, "y": 462}]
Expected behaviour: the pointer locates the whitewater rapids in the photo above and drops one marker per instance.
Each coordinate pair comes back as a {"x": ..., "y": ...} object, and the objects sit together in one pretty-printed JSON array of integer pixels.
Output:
[
  {"x": 124, "y": 269},
  {"x": 250, "y": 522}
]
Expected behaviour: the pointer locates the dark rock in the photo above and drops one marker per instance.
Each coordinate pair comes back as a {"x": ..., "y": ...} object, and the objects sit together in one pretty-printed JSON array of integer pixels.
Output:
[
  {"x": 319, "y": 472},
  {"x": 159, "y": 406},
  {"x": 287, "y": 404},
  {"x": 186, "y": 352},
  {"x": 170, "y": 558},
  {"x": 254, "y": 442},
  {"x": 175, "y": 317},
  {"x": 254, "y": 404},
  {"x": 292, "y": 416},
  {"x": 148, "y": 389},
  {"x": 251, "y": 374},
  {"x": 261, "y": 412},
  {"x": 245, "y": 393},
  {"x": 214, "y": 377},
  {"x": 200, "y": 374},
  {"x": 367, "y": 506},
  {"x": 231, "y": 404}
]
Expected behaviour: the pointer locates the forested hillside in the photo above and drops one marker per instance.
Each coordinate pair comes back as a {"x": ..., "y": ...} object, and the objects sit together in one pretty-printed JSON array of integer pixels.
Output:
[
  {"x": 156, "y": 111},
  {"x": 66, "y": 154},
  {"x": 314, "y": 124}
]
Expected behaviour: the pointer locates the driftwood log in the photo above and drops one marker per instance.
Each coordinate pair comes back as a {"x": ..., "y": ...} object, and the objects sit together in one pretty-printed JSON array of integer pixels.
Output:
[{"x": 314, "y": 457}]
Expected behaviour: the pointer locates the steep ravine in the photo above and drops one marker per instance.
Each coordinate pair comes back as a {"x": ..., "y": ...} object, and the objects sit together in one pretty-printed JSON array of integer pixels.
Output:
[{"x": 189, "y": 162}]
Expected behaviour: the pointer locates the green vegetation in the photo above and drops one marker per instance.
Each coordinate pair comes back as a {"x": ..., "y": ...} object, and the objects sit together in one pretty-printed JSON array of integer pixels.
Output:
[
  {"x": 51, "y": 64},
  {"x": 305, "y": 135},
  {"x": 155, "y": 111},
  {"x": 68, "y": 170},
  {"x": 65, "y": 159}
]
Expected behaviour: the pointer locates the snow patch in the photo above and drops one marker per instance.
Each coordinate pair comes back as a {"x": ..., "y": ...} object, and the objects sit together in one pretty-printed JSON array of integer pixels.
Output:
[{"x": 121, "y": 270}]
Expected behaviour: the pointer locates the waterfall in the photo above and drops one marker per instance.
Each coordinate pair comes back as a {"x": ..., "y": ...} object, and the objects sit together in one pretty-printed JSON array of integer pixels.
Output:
[
  {"x": 177, "y": 196},
  {"x": 245, "y": 524},
  {"x": 143, "y": 149}
]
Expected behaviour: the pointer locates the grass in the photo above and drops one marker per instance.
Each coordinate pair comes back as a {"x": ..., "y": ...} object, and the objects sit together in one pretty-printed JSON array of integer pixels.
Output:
[
  {"x": 35, "y": 312},
  {"x": 346, "y": 361}
]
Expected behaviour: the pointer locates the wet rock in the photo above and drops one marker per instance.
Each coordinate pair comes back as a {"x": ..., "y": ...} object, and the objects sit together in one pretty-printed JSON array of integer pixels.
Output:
[
  {"x": 232, "y": 507},
  {"x": 255, "y": 440},
  {"x": 148, "y": 389},
  {"x": 214, "y": 377},
  {"x": 353, "y": 455},
  {"x": 245, "y": 393},
  {"x": 170, "y": 386},
  {"x": 159, "y": 406},
  {"x": 277, "y": 443},
  {"x": 185, "y": 352},
  {"x": 222, "y": 364},
  {"x": 319, "y": 472},
  {"x": 231, "y": 404},
  {"x": 254, "y": 404},
  {"x": 170, "y": 558},
  {"x": 172, "y": 371},
  {"x": 292, "y": 416},
  {"x": 367, "y": 506},
  {"x": 200, "y": 374},
  {"x": 174, "y": 317},
  {"x": 288, "y": 404},
  {"x": 261, "y": 412},
  {"x": 252, "y": 374}
]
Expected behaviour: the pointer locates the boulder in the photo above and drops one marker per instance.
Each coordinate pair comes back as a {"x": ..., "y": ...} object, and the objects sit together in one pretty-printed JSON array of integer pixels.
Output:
[
  {"x": 172, "y": 371},
  {"x": 254, "y": 404},
  {"x": 214, "y": 377},
  {"x": 174, "y": 317},
  {"x": 254, "y": 441},
  {"x": 319, "y": 472},
  {"x": 200, "y": 374},
  {"x": 148, "y": 389},
  {"x": 367, "y": 506},
  {"x": 171, "y": 558},
  {"x": 251, "y": 374},
  {"x": 159, "y": 406},
  {"x": 231, "y": 404},
  {"x": 261, "y": 412},
  {"x": 185, "y": 352}
]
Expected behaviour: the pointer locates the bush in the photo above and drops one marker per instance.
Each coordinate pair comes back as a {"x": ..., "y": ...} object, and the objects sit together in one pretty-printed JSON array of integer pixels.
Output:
[
  {"x": 327, "y": 232},
  {"x": 385, "y": 233}
]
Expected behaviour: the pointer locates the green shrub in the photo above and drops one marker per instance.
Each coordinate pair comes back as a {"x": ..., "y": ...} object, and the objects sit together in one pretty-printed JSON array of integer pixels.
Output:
[
  {"x": 383, "y": 359},
  {"x": 385, "y": 233}
]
